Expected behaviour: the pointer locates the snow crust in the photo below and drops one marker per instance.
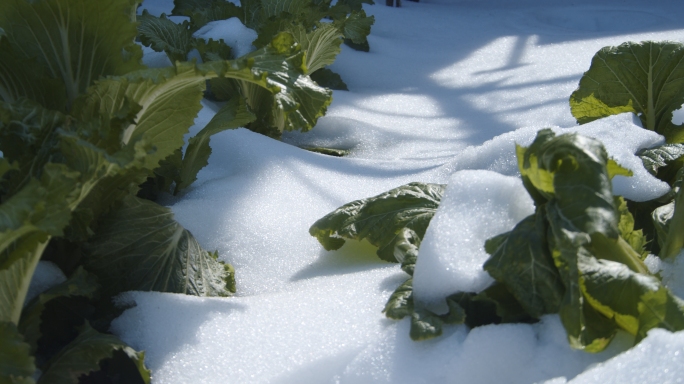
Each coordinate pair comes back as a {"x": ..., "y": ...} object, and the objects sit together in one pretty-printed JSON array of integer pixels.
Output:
[{"x": 441, "y": 97}]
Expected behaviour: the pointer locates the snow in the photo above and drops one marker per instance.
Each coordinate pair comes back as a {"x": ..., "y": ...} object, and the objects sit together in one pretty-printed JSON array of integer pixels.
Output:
[
  {"x": 476, "y": 205},
  {"x": 232, "y": 32},
  {"x": 46, "y": 276},
  {"x": 446, "y": 91}
]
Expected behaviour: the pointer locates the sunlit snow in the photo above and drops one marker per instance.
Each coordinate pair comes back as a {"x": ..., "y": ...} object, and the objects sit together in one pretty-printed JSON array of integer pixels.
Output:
[{"x": 444, "y": 94}]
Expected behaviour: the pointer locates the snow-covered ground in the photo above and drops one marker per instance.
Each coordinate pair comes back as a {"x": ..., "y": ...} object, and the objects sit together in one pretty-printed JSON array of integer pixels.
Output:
[{"x": 446, "y": 90}]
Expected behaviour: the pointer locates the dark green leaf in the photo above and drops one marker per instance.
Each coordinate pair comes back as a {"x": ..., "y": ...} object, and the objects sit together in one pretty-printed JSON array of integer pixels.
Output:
[
  {"x": 573, "y": 170},
  {"x": 329, "y": 79},
  {"x": 646, "y": 78},
  {"x": 27, "y": 220},
  {"x": 658, "y": 157},
  {"x": 83, "y": 356},
  {"x": 96, "y": 39},
  {"x": 400, "y": 304},
  {"x": 357, "y": 27},
  {"x": 380, "y": 218},
  {"x": 406, "y": 249},
  {"x": 140, "y": 246},
  {"x": 425, "y": 325},
  {"x": 81, "y": 283},
  {"x": 16, "y": 363},
  {"x": 523, "y": 263},
  {"x": 163, "y": 35}
]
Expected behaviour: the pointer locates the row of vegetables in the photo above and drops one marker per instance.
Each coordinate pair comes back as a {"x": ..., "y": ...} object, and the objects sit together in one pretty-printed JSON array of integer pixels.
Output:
[{"x": 90, "y": 137}]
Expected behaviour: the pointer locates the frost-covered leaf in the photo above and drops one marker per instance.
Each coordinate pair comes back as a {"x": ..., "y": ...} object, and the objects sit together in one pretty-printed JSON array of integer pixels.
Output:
[
  {"x": 646, "y": 78},
  {"x": 658, "y": 157},
  {"x": 380, "y": 218},
  {"x": 96, "y": 38},
  {"x": 140, "y": 246},
  {"x": 524, "y": 264},
  {"x": 16, "y": 363},
  {"x": 84, "y": 355}
]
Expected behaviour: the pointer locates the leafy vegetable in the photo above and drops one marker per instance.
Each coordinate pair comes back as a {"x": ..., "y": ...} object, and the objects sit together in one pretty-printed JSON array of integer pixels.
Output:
[
  {"x": 141, "y": 247},
  {"x": 68, "y": 65},
  {"x": 380, "y": 218},
  {"x": 646, "y": 78},
  {"x": 604, "y": 282}
]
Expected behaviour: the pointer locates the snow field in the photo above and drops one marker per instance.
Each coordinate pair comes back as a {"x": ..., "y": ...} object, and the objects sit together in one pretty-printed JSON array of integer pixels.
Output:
[{"x": 441, "y": 98}]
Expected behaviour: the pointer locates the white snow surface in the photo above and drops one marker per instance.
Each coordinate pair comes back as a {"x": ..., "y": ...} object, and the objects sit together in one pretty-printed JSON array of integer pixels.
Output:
[
  {"x": 476, "y": 205},
  {"x": 446, "y": 91},
  {"x": 232, "y": 32}
]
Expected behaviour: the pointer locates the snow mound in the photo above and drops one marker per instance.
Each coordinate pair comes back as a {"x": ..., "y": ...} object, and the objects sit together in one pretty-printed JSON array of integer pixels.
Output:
[
  {"x": 232, "y": 32},
  {"x": 476, "y": 205}
]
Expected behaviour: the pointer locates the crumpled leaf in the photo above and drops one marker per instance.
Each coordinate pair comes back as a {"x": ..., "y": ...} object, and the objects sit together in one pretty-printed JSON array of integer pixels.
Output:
[
  {"x": 646, "y": 78},
  {"x": 140, "y": 247},
  {"x": 83, "y": 356},
  {"x": 16, "y": 363},
  {"x": 400, "y": 303},
  {"x": 96, "y": 39},
  {"x": 329, "y": 79},
  {"x": 380, "y": 218},
  {"x": 661, "y": 156}
]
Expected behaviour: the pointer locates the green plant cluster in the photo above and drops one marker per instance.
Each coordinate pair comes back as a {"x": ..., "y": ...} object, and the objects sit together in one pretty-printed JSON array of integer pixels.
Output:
[
  {"x": 88, "y": 137},
  {"x": 581, "y": 254}
]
